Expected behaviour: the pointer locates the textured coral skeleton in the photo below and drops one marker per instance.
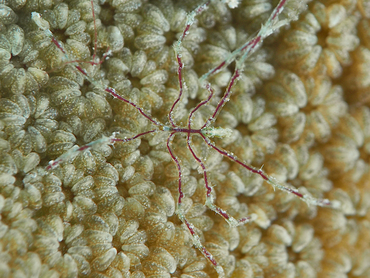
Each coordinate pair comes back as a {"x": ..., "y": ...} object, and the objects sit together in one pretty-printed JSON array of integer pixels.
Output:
[
  {"x": 206, "y": 131},
  {"x": 299, "y": 109}
]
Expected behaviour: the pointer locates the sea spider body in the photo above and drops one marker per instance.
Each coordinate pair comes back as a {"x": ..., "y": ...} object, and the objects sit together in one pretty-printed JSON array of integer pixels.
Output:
[{"x": 206, "y": 132}]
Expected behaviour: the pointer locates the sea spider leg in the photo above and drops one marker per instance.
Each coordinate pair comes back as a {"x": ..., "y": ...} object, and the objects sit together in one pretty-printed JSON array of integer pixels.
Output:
[
  {"x": 112, "y": 139},
  {"x": 196, "y": 240},
  {"x": 247, "y": 49},
  {"x": 95, "y": 30},
  {"x": 272, "y": 181},
  {"x": 205, "y": 132},
  {"x": 189, "y": 21},
  {"x": 71, "y": 153},
  {"x": 209, "y": 198},
  {"x": 251, "y": 46},
  {"x": 43, "y": 25}
]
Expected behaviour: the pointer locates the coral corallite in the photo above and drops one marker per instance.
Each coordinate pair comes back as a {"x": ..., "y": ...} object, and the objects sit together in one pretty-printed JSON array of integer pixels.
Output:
[{"x": 300, "y": 109}]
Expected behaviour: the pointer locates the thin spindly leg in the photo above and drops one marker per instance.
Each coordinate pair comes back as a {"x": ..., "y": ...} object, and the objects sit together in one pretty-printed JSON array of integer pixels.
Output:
[
  {"x": 196, "y": 240},
  {"x": 189, "y": 21},
  {"x": 74, "y": 151},
  {"x": 272, "y": 181},
  {"x": 209, "y": 197}
]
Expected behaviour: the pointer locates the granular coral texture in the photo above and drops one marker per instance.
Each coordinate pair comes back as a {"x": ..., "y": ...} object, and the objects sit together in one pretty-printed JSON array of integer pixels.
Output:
[{"x": 300, "y": 109}]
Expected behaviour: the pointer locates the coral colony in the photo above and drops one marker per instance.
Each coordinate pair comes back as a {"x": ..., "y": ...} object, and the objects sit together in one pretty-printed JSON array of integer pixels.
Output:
[{"x": 206, "y": 132}]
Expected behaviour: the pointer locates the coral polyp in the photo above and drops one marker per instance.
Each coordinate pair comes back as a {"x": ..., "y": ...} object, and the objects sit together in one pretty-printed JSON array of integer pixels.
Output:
[{"x": 182, "y": 139}]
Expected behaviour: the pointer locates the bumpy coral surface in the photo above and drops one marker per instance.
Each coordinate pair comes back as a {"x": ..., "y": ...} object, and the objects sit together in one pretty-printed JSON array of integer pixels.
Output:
[{"x": 300, "y": 109}]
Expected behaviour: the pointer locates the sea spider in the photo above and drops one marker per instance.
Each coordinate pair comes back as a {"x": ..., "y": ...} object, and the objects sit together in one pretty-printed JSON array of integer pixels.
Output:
[{"x": 205, "y": 132}]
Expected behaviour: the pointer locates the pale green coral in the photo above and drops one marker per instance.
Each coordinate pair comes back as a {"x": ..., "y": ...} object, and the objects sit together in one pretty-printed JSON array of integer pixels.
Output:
[{"x": 300, "y": 109}]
